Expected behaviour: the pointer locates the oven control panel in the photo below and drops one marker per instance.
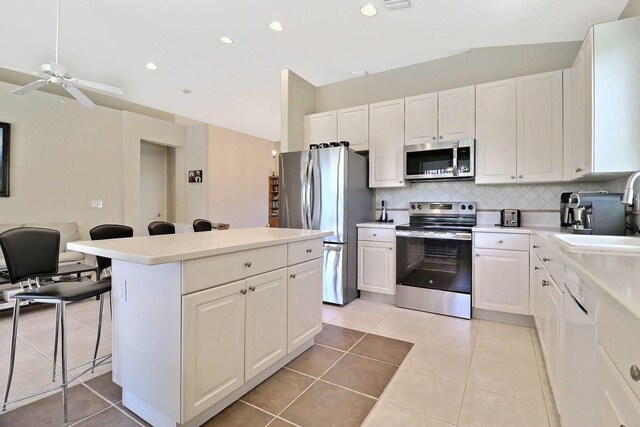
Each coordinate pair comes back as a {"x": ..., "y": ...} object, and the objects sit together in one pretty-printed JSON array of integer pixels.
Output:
[{"x": 449, "y": 208}]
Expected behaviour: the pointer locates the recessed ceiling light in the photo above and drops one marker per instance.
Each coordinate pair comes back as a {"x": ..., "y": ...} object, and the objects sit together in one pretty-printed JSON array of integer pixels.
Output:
[
  {"x": 369, "y": 10},
  {"x": 225, "y": 39},
  {"x": 186, "y": 91},
  {"x": 359, "y": 73},
  {"x": 276, "y": 26},
  {"x": 151, "y": 66}
]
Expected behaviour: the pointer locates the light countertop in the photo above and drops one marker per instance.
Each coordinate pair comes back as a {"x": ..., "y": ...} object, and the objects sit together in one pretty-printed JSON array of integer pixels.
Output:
[
  {"x": 391, "y": 225},
  {"x": 152, "y": 250},
  {"x": 492, "y": 228}
]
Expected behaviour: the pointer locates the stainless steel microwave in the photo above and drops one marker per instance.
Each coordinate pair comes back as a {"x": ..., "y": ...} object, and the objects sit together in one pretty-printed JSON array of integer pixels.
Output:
[{"x": 437, "y": 160}]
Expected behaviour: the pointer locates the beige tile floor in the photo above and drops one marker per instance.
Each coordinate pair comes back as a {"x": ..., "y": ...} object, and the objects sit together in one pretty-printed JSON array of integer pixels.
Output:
[{"x": 458, "y": 372}]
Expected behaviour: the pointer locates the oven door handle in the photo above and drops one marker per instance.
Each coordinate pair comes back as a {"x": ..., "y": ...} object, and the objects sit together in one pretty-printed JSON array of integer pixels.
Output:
[{"x": 435, "y": 236}]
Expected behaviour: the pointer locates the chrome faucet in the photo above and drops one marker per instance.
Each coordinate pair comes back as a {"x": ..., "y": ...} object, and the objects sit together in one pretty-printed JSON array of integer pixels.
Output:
[{"x": 627, "y": 198}]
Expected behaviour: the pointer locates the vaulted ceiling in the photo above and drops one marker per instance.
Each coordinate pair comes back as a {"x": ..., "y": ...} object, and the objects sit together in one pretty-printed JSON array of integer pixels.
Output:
[{"x": 237, "y": 85}]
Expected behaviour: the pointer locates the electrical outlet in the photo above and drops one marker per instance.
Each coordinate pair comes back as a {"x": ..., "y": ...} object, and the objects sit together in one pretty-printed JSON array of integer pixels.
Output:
[
  {"x": 122, "y": 291},
  {"x": 96, "y": 203}
]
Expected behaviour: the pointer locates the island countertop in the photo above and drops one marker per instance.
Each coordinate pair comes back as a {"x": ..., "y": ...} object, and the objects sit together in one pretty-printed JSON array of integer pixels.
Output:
[{"x": 153, "y": 250}]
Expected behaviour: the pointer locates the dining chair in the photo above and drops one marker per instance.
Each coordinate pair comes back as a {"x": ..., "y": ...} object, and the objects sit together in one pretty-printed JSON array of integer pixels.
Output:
[
  {"x": 31, "y": 252},
  {"x": 161, "y": 227},
  {"x": 201, "y": 225}
]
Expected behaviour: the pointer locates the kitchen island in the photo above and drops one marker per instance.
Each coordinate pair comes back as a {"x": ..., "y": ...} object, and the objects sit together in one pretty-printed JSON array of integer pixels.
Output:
[{"x": 199, "y": 319}]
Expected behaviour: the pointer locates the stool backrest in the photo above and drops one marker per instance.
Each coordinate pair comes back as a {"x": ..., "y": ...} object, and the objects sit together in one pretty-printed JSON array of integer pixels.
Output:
[
  {"x": 201, "y": 225},
  {"x": 109, "y": 231},
  {"x": 30, "y": 252},
  {"x": 161, "y": 227}
]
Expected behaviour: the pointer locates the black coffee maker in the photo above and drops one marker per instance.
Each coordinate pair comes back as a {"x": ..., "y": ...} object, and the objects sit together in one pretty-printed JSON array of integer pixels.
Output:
[{"x": 566, "y": 213}]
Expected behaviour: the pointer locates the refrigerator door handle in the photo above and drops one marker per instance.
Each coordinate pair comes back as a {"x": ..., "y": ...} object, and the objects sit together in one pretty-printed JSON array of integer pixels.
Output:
[
  {"x": 333, "y": 248},
  {"x": 308, "y": 195}
]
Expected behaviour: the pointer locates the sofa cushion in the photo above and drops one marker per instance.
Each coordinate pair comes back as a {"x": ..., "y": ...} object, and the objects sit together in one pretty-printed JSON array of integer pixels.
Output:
[{"x": 68, "y": 231}]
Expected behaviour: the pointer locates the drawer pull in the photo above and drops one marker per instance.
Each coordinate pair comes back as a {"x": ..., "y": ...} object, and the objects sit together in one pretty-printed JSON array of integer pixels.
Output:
[
  {"x": 535, "y": 246},
  {"x": 536, "y": 268},
  {"x": 252, "y": 288},
  {"x": 545, "y": 283},
  {"x": 478, "y": 255},
  {"x": 374, "y": 234},
  {"x": 391, "y": 248},
  {"x": 500, "y": 241},
  {"x": 544, "y": 259},
  {"x": 309, "y": 251},
  {"x": 247, "y": 264},
  {"x": 243, "y": 291},
  {"x": 635, "y": 373},
  {"x": 293, "y": 276}
]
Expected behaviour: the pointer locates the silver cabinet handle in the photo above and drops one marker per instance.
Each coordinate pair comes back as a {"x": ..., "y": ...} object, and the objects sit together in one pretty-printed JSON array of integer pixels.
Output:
[
  {"x": 578, "y": 169},
  {"x": 477, "y": 255},
  {"x": 513, "y": 177},
  {"x": 391, "y": 248},
  {"x": 374, "y": 234},
  {"x": 441, "y": 137},
  {"x": 635, "y": 373},
  {"x": 519, "y": 176},
  {"x": 243, "y": 291},
  {"x": 433, "y": 137},
  {"x": 247, "y": 264},
  {"x": 309, "y": 251},
  {"x": 293, "y": 276},
  {"x": 545, "y": 283},
  {"x": 500, "y": 241},
  {"x": 536, "y": 268},
  {"x": 400, "y": 181},
  {"x": 252, "y": 288},
  {"x": 544, "y": 259},
  {"x": 535, "y": 246}
]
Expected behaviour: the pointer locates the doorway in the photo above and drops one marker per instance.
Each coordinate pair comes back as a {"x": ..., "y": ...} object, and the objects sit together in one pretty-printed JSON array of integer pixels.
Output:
[{"x": 153, "y": 184}]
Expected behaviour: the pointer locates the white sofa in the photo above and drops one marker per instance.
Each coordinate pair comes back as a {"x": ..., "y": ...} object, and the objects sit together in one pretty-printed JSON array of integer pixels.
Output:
[{"x": 68, "y": 233}]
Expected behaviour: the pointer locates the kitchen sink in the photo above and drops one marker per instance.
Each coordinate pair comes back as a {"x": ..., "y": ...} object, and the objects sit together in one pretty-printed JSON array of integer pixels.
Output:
[{"x": 622, "y": 245}]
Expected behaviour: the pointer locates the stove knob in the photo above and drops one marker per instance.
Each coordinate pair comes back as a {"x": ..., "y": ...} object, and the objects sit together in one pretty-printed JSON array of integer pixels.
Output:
[
  {"x": 413, "y": 206},
  {"x": 470, "y": 207},
  {"x": 419, "y": 206},
  {"x": 463, "y": 207}
]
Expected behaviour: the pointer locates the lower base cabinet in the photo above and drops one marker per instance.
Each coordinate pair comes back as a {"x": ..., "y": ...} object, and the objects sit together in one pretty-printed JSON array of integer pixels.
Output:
[
  {"x": 501, "y": 280},
  {"x": 304, "y": 302},
  {"x": 377, "y": 267},
  {"x": 616, "y": 406}
]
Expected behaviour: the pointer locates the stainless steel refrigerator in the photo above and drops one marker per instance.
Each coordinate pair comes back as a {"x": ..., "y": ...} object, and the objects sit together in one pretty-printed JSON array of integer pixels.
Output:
[{"x": 327, "y": 189}]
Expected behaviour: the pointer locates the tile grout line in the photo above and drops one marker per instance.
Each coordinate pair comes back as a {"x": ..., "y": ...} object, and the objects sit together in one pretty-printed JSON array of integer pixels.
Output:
[
  {"x": 544, "y": 398},
  {"x": 365, "y": 357}
]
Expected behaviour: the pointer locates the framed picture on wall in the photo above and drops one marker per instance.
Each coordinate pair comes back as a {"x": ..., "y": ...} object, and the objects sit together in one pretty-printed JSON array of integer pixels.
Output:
[
  {"x": 5, "y": 133},
  {"x": 195, "y": 176}
]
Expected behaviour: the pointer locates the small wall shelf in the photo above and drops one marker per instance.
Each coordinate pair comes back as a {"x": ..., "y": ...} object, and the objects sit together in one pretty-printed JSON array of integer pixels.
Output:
[{"x": 274, "y": 201}]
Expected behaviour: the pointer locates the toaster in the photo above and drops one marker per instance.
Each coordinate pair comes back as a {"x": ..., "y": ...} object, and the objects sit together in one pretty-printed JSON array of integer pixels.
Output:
[{"x": 510, "y": 218}]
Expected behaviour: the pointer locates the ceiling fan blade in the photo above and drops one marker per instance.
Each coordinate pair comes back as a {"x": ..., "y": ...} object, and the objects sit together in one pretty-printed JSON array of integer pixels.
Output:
[
  {"x": 30, "y": 87},
  {"x": 77, "y": 94},
  {"x": 96, "y": 86},
  {"x": 28, "y": 72}
]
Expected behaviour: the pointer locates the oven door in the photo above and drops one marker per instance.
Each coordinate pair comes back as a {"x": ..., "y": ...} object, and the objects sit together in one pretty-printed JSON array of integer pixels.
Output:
[
  {"x": 434, "y": 260},
  {"x": 452, "y": 159}
]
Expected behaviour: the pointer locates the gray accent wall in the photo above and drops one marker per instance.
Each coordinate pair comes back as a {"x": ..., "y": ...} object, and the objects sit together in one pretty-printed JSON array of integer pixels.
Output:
[{"x": 632, "y": 9}]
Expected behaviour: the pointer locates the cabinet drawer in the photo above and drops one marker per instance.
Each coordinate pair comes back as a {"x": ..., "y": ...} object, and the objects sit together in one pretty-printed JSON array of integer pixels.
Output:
[
  {"x": 619, "y": 332},
  {"x": 615, "y": 404},
  {"x": 208, "y": 272},
  {"x": 304, "y": 251},
  {"x": 548, "y": 257},
  {"x": 377, "y": 234},
  {"x": 503, "y": 241}
]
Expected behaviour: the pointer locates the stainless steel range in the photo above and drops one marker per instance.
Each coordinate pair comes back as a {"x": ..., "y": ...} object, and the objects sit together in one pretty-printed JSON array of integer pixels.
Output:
[{"x": 433, "y": 258}]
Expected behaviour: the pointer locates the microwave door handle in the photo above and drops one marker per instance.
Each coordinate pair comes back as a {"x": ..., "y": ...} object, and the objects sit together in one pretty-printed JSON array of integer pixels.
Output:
[{"x": 455, "y": 161}]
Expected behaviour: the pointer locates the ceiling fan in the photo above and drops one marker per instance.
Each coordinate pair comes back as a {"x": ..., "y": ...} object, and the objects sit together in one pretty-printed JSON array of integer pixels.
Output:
[{"x": 55, "y": 73}]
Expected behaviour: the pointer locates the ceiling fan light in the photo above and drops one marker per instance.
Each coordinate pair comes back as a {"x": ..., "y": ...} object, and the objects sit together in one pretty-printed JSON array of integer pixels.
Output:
[
  {"x": 226, "y": 40},
  {"x": 276, "y": 26}
]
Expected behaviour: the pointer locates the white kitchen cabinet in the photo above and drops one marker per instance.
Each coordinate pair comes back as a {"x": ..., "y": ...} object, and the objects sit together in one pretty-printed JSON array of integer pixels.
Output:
[
  {"x": 213, "y": 325},
  {"x": 615, "y": 403},
  {"x": 323, "y": 127},
  {"x": 304, "y": 302},
  {"x": 583, "y": 108},
  {"x": 457, "y": 114},
  {"x": 421, "y": 119},
  {"x": 539, "y": 124},
  {"x": 501, "y": 280},
  {"x": 377, "y": 267},
  {"x": 554, "y": 335},
  {"x": 386, "y": 144},
  {"x": 353, "y": 126},
  {"x": 266, "y": 321},
  {"x": 496, "y": 137}
]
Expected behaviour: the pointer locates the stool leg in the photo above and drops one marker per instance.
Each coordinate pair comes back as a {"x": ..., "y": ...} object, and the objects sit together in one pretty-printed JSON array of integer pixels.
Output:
[
  {"x": 55, "y": 342},
  {"x": 14, "y": 336},
  {"x": 100, "y": 311},
  {"x": 63, "y": 336}
]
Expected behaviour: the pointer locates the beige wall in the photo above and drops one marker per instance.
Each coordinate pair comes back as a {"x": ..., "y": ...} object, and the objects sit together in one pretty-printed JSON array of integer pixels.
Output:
[
  {"x": 476, "y": 66},
  {"x": 239, "y": 165},
  {"x": 632, "y": 9},
  {"x": 298, "y": 98}
]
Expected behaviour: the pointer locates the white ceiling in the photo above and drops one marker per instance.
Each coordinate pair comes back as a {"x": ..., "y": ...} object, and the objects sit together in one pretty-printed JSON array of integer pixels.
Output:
[{"x": 238, "y": 86}]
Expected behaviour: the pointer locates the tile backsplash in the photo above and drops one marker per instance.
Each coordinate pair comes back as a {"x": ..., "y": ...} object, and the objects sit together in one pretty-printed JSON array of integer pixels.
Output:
[{"x": 533, "y": 197}]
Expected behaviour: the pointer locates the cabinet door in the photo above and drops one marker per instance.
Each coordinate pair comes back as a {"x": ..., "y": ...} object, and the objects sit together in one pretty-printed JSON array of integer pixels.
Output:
[
  {"x": 496, "y": 132},
  {"x": 213, "y": 346},
  {"x": 386, "y": 144},
  {"x": 377, "y": 267},
  {"x": 536, "y": 294},
  {"x": 353, "y": 126},
  {"x": 421, "y": 119},
  {"x": 266, "y": 321},
  {"x": 568, "y": 111},
  {"x": 501, "y": 281},
  {"x": 540, "y": 127},
  {"x": 555, "y": 335},
  {"x": 323, "y": 127},
  {"x": 583, "y": 97},
  {"x": 457, "y": 114},
  {"x": 304, "y": 303},
  {"x": 615, "y": 403}
]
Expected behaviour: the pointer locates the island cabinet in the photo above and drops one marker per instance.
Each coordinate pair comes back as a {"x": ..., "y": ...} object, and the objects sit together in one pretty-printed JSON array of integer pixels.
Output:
[{"x": 201, "y": 323}]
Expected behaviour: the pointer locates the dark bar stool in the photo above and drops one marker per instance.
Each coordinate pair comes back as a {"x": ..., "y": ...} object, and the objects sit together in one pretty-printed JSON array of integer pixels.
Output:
[
  {"x": 202, "y": 225},
  {"x": 161, "y": 227},
  {"x": 30, "y": 253}
]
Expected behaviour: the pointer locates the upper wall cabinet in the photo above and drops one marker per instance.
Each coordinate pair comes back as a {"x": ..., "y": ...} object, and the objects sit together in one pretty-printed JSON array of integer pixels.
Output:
[
  {"x": 353, "y": 126},
  {"x": 442, "y": 116},
  {"x": 386, "y": 144},
  {"x": 606, "y": 95},
  {"x": 323, "y": 127},
  {"x": 519, "y": 130},
  {"x": 421, "y": 119}
]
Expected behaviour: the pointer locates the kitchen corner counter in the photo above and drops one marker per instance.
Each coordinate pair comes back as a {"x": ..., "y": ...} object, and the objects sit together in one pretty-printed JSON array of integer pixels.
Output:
[
  {"x": 389, "y": 225},
  {"x": 493, "y": 228},
  {"x": 153, "y": 250}
]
